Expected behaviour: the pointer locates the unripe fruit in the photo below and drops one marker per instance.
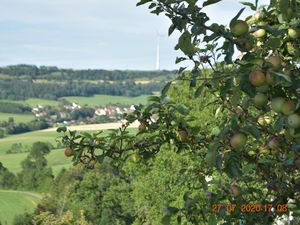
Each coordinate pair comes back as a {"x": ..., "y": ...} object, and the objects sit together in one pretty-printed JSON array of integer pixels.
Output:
[
  {"x": 257, "y": 16},
  {"x": 245, "y": 44},
  {"x": 235, "y": 189},
  {"x": 258, "y": 61},
  {"x": 273, "y": 143},
  {"x": 69, "y": 152},
  {"x": 293, "y": 121},
  {"x": 276, "y": 104},
  {"x": 293, "y": 33},
  {"x": 275, "y": 61},
  {"x": 257, "y": 78},
  {"x": 260, "y": 100},
  {"x": 239, "y": 28},
  {"x": 182, "y": 135},
  {"x": 263, "y": 120},
  {"x": 238, "y": 141},
  {"x": 288, "y": 107},
  {"x": 135, "y": 157},
  {"x": 260, "y": 33},
  {"x": 262, "y": 149},
  {"x": 291, "y": 49},
  {"x": 142, "y": 128}
]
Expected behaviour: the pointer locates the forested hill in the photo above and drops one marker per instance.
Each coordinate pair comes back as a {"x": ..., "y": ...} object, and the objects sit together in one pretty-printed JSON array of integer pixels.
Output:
[
  {"x": 27, "y": 81},
  {"x": 55, "y": 73}
]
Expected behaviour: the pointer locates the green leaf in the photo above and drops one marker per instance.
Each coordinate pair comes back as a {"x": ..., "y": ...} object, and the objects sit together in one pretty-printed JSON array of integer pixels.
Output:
[
  {"x": 283, "y": 6},
  {"x": 153, "y": 98},
  {"x": 210, "y": 2},
  {"x": 274, "y": 42},
  {"x": 236, "y": 17},
  {"x": 171, "y": 29},
  {"x": 166, "y": 88},
  {"x": 61, "y": 129},
  {"x": 182, "y": 109},
  {"x": 199, "y": 90},
  {"x": 212, "y": 220},
  {"x": 142, "y": 2},
  {"x": 283, "y": 75},
  {"x": 86, "y": 134},
  {"x": 166, "y": 220},
  {"x": 278, "y": 126},
  {"x": 185, "y": 44},
  {"x": 251, "y": 5},
  {"x": 253, "y": 131}
]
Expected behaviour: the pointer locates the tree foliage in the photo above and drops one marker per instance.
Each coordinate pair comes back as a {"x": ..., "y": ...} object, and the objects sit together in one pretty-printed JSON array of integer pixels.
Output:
[{"x": 248, "y": 150}]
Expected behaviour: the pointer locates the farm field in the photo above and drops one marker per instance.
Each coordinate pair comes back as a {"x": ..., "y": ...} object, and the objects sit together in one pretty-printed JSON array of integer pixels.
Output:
[
  {"x": 96, "y": 100},
  {"x": 102, "y": 100},
  {"x": 13, "y": 203},
  {"x": 17, "y": 117},
  {"x": 34, "y": 102},
  {"x": 56, "y": 158}
]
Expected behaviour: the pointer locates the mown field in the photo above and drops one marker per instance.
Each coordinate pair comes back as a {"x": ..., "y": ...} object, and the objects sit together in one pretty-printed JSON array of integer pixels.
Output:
[
  {"x": 13, "y": 203},
  {"x": 96, "y": 100},
  {"x": 17, "y": 117},
  {"x": 33, "y": 102}
]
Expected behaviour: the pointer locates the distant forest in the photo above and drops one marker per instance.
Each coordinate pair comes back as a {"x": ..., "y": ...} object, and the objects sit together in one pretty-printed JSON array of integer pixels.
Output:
[{"x": 28, "y": 81}]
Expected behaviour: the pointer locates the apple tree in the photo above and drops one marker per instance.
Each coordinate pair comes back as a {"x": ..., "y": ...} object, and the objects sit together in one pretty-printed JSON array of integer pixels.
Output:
[{"x": 249, "y": 151}]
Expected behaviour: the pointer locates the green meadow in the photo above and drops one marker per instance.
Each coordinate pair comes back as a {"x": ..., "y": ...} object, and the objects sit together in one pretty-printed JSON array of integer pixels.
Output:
[
  {"x": 96, "y": 100},
  {"x": 14, "y": 203},
  {"x": 17, "y": 117},
  {"x": 56, "y": 159}
]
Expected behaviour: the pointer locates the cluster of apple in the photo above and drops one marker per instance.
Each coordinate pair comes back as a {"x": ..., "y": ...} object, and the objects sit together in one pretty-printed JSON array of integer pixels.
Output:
[{"x": 250, "y": 39}]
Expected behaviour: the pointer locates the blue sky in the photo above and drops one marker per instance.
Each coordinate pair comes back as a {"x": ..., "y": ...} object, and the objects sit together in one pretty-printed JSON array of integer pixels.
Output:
[{"x": 106, "y": 34}]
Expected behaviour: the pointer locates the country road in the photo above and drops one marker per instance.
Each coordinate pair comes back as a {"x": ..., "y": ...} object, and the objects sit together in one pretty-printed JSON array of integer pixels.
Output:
[{"x": 90, "y": 127}]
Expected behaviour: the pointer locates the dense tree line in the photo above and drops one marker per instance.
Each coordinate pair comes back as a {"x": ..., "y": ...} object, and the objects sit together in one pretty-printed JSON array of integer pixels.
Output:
[
  {"x": 45, "y": 72},
  {"x": 16, "y": 89},
  {"x": 9, "y": 107},
  {"x": 12, "y": 127}
]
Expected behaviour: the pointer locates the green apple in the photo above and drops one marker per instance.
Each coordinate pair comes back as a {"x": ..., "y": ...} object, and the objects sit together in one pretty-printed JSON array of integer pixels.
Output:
[
  {"x": 239, "y": 28},
  {"x": 260, "y": 100},
  {"x": 288, "y": 107},
  {"x": 276, "y": 104},
  {"x": 275, "y": 61},
  {"x": 293, "y": 120},
  {"x": 238, "y": 141},
  {"x": 293, "y": 33},
  {"x": 257, "y": 78},
  {"x": 260, "y": 33}
]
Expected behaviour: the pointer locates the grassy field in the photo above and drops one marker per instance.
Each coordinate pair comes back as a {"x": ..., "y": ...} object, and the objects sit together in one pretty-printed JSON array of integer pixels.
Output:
[
  {"x": 56, "y": 158},
  {"x": 13, "y": 203},
  {"x": 27, "y": 139},
  {"x": 17, "y": 117},
  {"x": 102, "y": 100},
  {"x": 97, "y": 100},
  {"x": 33, "y": 102}
]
